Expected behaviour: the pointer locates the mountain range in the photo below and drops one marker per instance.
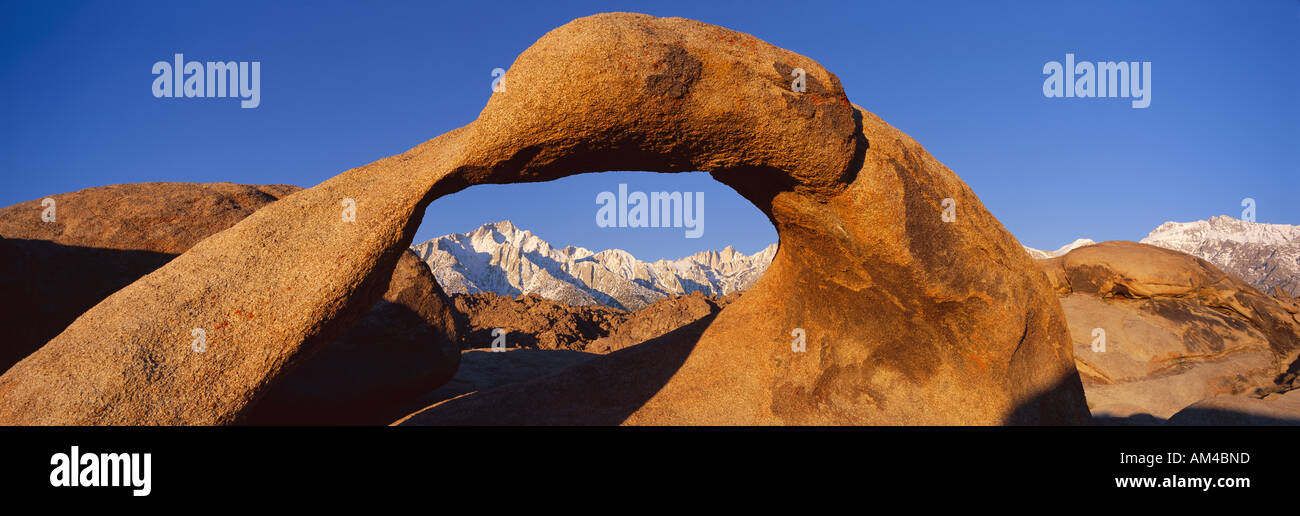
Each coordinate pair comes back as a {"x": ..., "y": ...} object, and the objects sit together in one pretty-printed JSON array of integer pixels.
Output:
[
  {"x": 1264, "y": 255},
  {"x": 503, "y": 259}
]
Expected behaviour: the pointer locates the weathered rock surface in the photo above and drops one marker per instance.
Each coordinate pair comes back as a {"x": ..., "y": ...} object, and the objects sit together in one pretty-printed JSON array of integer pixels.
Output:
[
  {"x": 104, "y": 238},
  {"x": 1177, "y": 330},
  {"x": 909, "y": 319},
  {"x": 658, "y": 319},
  {"x": 1288, "y": 302}
]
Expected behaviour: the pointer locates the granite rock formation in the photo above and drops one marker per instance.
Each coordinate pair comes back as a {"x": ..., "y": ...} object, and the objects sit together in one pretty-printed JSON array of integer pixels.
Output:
[
  {"x": 918, "y": 307},
  {"x": 105, "y": 238},
  {"x": 1176, "y": 330},
  {"x": 100, "y": 240}
]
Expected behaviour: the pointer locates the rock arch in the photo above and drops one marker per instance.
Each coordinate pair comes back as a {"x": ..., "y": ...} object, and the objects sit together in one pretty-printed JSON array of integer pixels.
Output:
[{"x": 910, "y": 320}]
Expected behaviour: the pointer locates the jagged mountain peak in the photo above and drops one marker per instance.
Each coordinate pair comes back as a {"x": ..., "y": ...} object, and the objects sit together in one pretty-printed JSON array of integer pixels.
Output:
[
  {"x": 502, "y": 258},
  {"x": 1223, "y": 227}
]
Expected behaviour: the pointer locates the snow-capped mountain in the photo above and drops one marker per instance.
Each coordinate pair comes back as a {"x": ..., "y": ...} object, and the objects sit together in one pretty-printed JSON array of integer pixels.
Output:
[
  {"x": 503, "y": 259},
  {"x": 1265, "y": 255},
  {"x": 1036, "y": 253}
]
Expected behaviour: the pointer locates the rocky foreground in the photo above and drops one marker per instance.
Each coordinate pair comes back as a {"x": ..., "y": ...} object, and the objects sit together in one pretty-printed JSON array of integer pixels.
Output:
[
  {"x": 1180, "y": 340},
  {"x": 1159, "y": 337},
  {"x": 106, "y": 238},
  {"x": 893, "y": 298}
]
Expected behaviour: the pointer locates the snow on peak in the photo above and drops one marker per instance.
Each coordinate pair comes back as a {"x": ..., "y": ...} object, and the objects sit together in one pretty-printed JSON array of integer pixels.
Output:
[
  {"x": 499, "y": 257},
  {"x": 1038, "y": 253},
  {"x": 1265, "y": 255},
  {"x": 1222, "y": 228}
]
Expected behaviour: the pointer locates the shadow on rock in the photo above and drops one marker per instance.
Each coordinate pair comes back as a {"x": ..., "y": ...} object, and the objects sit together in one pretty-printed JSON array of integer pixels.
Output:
[
  {"x": 368, "y": 377},
  {"x": 1194, "y": 416},
  {"x": 1129, "y": 420},
  {"x": 48, "y": 285},
  {"x": 1060, "y": 403},
  {"x": 601, "y": 391}
]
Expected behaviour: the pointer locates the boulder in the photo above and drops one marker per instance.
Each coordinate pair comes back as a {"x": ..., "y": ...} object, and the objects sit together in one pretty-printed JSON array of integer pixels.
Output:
[
  {"x": 660, "y": 318},
  {"x": 917, "y": 306},
  {"x": 1176, "y": 330},
  {"x": 104, "y": 238}
]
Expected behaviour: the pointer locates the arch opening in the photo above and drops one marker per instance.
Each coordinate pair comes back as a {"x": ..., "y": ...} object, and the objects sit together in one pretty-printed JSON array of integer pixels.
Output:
[{"x": 594, "y": 250}]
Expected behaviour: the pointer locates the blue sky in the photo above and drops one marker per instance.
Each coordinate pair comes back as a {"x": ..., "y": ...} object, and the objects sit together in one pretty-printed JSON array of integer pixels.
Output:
[{"x": 344, "y": 84}]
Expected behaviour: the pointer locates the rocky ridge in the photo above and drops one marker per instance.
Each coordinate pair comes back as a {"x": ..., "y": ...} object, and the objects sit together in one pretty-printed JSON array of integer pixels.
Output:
[{"x": 531, "y": 321}]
